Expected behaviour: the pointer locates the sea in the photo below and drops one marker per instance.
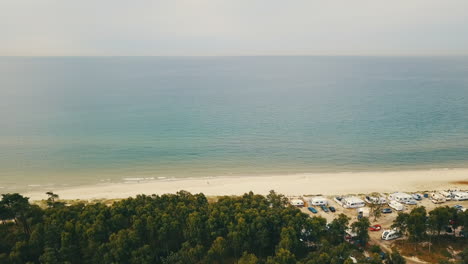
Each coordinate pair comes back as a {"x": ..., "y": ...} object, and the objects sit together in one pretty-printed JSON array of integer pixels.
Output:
[{"x": 70, "y": 121}]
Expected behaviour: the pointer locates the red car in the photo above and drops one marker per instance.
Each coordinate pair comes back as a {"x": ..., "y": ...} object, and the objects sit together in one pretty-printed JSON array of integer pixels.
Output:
[{"x": 375, "y": 228}]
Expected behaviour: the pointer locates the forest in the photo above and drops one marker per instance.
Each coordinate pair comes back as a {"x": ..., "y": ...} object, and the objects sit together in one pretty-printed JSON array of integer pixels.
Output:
[{"x": 187, "y": 228}]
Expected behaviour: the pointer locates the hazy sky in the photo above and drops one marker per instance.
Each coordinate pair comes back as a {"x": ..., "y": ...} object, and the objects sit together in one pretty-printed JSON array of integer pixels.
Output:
[{"x": 234, "y": 27}]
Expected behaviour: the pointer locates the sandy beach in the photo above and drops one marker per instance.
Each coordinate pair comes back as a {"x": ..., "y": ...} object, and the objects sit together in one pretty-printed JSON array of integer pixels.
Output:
[{"x": 298, "y": 184}]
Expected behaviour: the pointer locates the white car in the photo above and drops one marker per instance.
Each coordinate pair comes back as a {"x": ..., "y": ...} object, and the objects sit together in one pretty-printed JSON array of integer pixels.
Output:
[{"x": 390, "y": 234}]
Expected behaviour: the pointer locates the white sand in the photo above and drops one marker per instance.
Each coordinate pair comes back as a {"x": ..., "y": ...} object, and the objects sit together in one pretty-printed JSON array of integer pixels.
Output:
[{"x": 298, "y": 184}]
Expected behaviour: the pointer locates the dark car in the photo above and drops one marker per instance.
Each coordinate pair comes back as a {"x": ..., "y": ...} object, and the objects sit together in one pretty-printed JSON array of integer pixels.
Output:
[
  {"x": 386, "y": 210},
  {"x": 332, "y": 209},
  {"x": 313, "y": 210},
  {"x": 324, "y": 208}
]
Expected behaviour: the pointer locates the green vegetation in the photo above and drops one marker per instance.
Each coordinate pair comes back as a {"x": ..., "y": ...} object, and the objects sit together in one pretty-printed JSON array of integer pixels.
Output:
[
  {"x": 430, "y": 235},
  {"x": 186, "y": 228},
  {"x": 178, "y": 228}
]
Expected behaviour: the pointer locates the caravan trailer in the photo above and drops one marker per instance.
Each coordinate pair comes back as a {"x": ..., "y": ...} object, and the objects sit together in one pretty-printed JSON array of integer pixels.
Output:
[
  {"x": 402, "y": 198},
  {"x": 318, "y": 201},
  {"x": 375, "y": 200},
  {"x": 396, "y": 205},
  {"x": 390, "y": 234},
  {"x": 352, "y": 202},
  {"x": 447, "y": 195},
  {"x": 459, "y": 196},
  {"x": 297, "y": 202},
  {"x": 437, "y": 198}
]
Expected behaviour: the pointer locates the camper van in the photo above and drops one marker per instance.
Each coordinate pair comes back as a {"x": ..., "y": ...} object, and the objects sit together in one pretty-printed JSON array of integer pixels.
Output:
[
  {"x": 390, "y": 234},
  {"x": 459, "y": 196},
  {"x": 437, "y": 198},
  {"x": 352, "y": 202},
  {"x": 318, "y": 201},
  {"x": 396, "y": 205},
  {"x": 403, "y": 198},
  {"x": 297, "y": 202}
]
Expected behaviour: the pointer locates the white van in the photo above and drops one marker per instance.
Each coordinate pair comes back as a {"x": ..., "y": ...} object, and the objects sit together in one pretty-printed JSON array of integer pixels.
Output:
[
  {"x": 396, "y": 205},
  {"x": 390, "y": 234}
]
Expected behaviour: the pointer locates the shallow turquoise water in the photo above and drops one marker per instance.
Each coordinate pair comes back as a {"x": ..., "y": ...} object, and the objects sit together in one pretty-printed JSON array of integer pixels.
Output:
[{"x": 70, "y": 121}]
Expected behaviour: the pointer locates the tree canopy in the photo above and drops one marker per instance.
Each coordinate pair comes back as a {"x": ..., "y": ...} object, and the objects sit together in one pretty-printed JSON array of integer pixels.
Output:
[{"x": 172, "y": 228}]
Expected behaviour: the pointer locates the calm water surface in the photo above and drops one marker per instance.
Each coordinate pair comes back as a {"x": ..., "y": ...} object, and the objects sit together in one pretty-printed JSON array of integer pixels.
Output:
[{"x": 72, "y": 121}]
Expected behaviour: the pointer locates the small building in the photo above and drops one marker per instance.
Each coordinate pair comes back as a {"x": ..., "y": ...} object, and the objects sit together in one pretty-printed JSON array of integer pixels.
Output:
[
  {"x": 297, "y": 202},
  {"x": 318, "y": 200},
  {"x": 352, "y": 202},
  {"x": 402, "y": 198}
]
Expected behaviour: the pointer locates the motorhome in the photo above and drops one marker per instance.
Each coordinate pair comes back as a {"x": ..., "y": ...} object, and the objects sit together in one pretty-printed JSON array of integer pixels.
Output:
[
  {"x": 437, "y": 198},
  {"x": 402, "y": 198},
  {"x": 459, "y": 196},
  {"x": 396, "y": 205},
  {"x": 318, "y": 201},
  {"x": 297, "y": 202},
  {"x": 352, "y": 202}
]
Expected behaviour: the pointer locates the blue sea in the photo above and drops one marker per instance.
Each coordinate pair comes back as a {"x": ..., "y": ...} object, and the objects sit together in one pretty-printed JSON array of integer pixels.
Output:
[{"x": 67, "y": 121}]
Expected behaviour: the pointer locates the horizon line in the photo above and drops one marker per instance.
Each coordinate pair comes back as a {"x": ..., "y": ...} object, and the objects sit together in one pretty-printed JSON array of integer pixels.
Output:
[{"x": 248, "y": 55}]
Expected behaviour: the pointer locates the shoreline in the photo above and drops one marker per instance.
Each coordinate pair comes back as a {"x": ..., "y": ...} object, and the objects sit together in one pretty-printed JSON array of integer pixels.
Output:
[{"x": 338, "y": 183}]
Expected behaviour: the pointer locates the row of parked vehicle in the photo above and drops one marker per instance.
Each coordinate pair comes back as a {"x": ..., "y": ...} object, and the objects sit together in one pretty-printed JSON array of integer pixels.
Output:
[
  {"x": 443, "y": 196},
  {"x": 324, "y": 208}
]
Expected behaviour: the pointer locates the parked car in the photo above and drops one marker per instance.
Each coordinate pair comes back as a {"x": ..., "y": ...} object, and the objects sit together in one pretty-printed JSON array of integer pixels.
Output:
[
  {"x": 411, "y": 202},
  {"x": 375, "y": 228},
  {"x": 458, "y": 207},
  {"x": 386, "y": 211},
  {"x": 313, "y": 210},
  {"x": 324, "y": 208},
  {"x": 332, "y": 209},
  {"x": 390, "y": 234},
  {"x": 417, "y": 196}
]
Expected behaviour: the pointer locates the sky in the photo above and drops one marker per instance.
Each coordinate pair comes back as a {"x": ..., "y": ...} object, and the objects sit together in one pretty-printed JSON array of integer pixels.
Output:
[{"x": 233, "y": 27}]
